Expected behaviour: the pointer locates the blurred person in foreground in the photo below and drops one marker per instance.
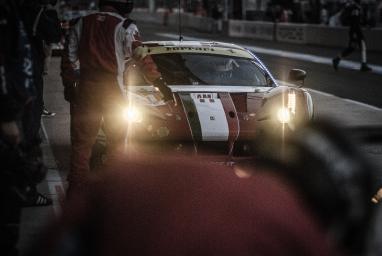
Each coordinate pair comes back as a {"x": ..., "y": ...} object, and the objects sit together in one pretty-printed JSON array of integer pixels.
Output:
[
  {"x": 351, "y": 16},
  {"x": 184, "y": 206},
  {"x": 99, "y": 44},
  {"x": 10, "y": 134},
  {"x": 42, "y": 27},
  {"x": 18, "y": 172},
  {"x": 334, "y": 178},
  {"x": 311, "y": 198}
]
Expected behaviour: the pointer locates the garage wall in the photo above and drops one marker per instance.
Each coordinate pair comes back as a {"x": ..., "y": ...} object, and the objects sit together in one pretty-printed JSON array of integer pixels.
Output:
[
  {"x": 282, "y": 32},
  {"x": 251, "y": 29}
]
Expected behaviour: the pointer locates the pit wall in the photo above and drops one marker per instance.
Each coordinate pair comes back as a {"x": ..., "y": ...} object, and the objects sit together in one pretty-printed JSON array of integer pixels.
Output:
[{"x": 311, "y": 34}]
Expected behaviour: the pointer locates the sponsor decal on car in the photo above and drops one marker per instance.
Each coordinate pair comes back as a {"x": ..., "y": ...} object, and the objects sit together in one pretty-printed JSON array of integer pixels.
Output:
[{"x": 207, "y": 50}]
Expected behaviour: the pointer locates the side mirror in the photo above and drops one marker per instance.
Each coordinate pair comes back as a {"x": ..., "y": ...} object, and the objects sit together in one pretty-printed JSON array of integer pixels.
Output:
[{"x": 297, "y": 75}]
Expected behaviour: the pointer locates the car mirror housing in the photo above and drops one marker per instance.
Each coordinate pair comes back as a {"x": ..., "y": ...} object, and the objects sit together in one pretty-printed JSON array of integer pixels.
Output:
[{"x": 297, "y": 75}]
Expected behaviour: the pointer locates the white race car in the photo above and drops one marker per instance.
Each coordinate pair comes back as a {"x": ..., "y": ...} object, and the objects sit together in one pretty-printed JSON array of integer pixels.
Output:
[{"x": 224, "y": 98}]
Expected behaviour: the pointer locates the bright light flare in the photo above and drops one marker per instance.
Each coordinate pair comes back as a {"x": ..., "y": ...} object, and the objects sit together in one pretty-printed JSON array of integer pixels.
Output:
[
  {"x": 132, "y": 115},
  {"x": 283, "y": 115}
]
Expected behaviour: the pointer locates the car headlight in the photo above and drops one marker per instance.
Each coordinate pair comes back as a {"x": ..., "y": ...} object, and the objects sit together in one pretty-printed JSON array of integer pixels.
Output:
[
  {"x": 286, "y": 113},
  {"x": 132, "y": 115},
  {"x": 283, "y": 115},
  {"x": 292, "y": 102}
]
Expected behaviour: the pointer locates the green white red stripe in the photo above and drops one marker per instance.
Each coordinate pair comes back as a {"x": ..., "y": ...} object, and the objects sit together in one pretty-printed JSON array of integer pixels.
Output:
[
  {"x": 211, "y": 116},
  {"x": 192, "y": 116},
  {"x": 232, "y": 119}
]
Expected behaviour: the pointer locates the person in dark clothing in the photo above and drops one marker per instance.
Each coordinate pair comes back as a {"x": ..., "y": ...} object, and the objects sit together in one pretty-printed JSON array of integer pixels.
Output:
[
  {"x": 42, "y": 26},
  {"x": 10, "y": 107},
  {"x": 16, "y": 91},
  {"x": 352, "y": 16},
  {"x": 16, "y": 67},
  {"x": 48, "y": 56}
]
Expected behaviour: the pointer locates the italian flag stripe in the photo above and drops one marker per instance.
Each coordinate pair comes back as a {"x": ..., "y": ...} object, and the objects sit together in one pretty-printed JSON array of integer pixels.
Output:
[
  {"x": 212, "y": 117},
  {"x": 232, "y": 119},
  {"x": 192, "y": 116}
]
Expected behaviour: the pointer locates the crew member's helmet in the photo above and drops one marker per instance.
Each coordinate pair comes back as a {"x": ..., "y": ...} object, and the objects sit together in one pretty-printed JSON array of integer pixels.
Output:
[{"x": 122, "y": 6}]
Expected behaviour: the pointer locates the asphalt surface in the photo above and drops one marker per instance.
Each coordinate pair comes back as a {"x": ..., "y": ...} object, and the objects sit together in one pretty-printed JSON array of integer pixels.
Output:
[{"x": 340, "y": 96}]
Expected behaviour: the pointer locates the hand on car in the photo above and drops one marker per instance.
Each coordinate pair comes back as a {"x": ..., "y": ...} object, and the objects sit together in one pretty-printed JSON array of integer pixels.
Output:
[{"x": 166, "y": 92}]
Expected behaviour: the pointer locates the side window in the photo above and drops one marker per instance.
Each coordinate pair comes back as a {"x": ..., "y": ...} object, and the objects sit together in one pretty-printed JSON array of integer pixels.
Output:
[{"x": 133, "y": 76}]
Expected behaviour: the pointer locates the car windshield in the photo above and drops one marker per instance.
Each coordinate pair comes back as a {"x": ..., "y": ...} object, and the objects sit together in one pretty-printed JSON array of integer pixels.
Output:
[{"x": 198, "y": 69}]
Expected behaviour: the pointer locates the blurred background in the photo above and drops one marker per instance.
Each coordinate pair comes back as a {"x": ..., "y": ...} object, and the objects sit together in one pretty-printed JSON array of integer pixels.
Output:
[{"x": 300, "y": 11}]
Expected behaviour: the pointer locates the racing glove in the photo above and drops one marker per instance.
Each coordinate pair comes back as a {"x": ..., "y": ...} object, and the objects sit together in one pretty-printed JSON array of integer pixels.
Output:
[
  {"x": 161, "y": 84},
  {"x": 151, "y": 72}
]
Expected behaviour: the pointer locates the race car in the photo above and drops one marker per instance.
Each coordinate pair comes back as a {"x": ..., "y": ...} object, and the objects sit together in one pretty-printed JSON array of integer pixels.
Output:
[{"x": 223, "y": 98}]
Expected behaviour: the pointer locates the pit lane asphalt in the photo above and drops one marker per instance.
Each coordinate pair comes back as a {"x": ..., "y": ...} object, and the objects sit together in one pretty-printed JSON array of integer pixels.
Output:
[{"x": 347, "y": 84}]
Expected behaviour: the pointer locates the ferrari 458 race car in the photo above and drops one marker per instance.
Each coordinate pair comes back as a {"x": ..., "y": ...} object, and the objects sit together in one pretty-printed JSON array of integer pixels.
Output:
[{"x": 223, "y": 98}]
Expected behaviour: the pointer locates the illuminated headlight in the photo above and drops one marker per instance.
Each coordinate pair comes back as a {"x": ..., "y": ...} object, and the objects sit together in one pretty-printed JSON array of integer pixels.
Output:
[
  {"x": 292, "y": 102},
  {"x": 283, "y": 115},
  {"x": 132, "y": 115},
  {"x": 286, "y": 113}
]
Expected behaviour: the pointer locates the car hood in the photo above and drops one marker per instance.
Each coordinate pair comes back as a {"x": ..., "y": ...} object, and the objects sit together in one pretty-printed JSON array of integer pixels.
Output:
[
  {"x": 149, "y": 95},
  {"x": 217, "y": 88}
]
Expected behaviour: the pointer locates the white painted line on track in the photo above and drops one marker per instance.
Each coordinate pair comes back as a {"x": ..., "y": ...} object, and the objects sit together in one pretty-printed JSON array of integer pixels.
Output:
[
  {"x": 332, "y": 95},
  {"x": 323, "y": 93},
  {"x": 45, "y": 133},
  {"x": 287, "y": 54},
  {"x": 53, "y": 178},
  {"x": 363, "y": 104}
]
